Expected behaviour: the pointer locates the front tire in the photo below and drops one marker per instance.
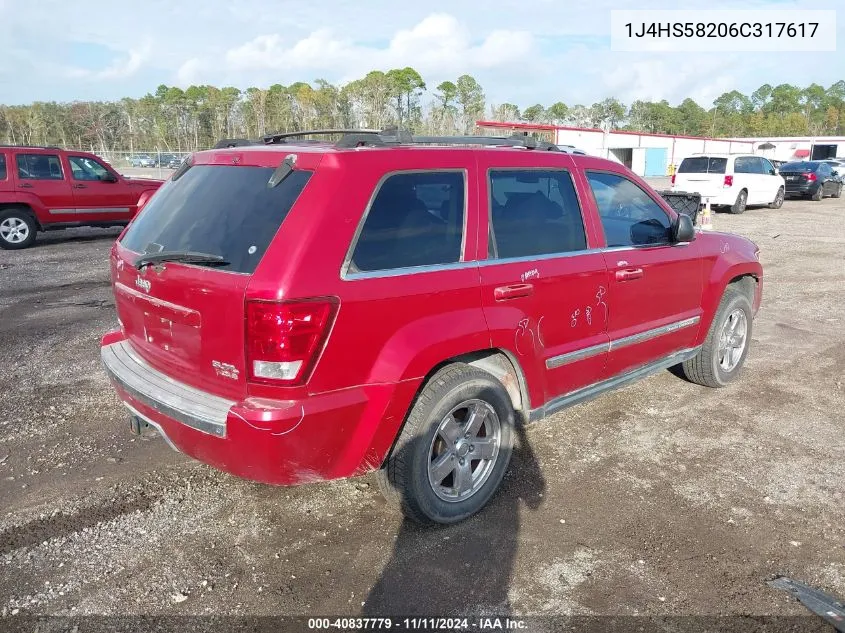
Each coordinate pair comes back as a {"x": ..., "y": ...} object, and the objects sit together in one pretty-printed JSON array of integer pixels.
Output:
[
  {"x": 740, "y": 204},
  {"x": 778, "y": 201},
  {"x": 453, "y": 451},
  {"x": 17, "y": 229},
  {"x": 721, "y": 358},
  {"x": 818, "y": 194},
  {"x": 838, "y": 192}
]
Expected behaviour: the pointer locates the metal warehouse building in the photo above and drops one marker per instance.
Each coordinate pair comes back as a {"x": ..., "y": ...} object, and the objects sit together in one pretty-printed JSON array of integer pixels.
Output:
[{"x": 648, "y": 154}]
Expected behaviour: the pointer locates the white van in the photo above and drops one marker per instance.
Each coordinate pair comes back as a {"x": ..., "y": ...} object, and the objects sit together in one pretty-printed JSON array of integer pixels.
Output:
[{"x": 731, "y": 180}]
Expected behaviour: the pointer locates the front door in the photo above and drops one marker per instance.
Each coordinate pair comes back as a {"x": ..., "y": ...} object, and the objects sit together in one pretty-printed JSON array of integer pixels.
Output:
[
  {"x": 99, "y": 195},
  {"x": 654, "y": 294},
  {"x": 543, "y": 289}
]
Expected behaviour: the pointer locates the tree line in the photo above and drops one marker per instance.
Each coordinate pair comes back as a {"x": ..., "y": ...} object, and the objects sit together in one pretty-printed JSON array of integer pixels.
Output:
[{"x": 173, "y": 119}]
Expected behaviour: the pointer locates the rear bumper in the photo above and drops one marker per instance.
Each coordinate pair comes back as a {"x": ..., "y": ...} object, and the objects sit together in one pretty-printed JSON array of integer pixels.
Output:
[
  {"x": 323, "y": 436},
  {"x": 801, "y": 190}
]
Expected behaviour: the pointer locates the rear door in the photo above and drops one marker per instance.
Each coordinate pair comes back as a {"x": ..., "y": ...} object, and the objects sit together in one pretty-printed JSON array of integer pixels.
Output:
[
  {"x": 748, "y": 175},
  {"x": 99, "y": 194},
  {"x": 42, "y": 175},
  {"x": 188, "y": 320},
  {"x": 654, "y": 292},
  {"x": 543, "y": 286}
]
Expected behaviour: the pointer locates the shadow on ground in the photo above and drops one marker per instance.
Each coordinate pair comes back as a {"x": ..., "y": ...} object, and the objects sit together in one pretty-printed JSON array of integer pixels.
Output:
[{"x": 464, "y": 569}]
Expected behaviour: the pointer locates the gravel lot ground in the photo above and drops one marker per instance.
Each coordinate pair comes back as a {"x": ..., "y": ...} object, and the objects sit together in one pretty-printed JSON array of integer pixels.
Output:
[{"x": 662, "y": 498}]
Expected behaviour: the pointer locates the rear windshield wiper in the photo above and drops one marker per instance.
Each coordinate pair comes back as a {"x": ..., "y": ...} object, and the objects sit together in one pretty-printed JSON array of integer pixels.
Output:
[{"x": 187, "y": 257}]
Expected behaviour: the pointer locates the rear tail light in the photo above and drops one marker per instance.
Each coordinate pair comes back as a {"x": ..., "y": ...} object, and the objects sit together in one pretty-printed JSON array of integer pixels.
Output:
[
  {"x": 284, "y": 339},
  {"x": 811, "y": 177},
  {"x": 673, "y": 179},
  {"x": 729, "y": 181}
]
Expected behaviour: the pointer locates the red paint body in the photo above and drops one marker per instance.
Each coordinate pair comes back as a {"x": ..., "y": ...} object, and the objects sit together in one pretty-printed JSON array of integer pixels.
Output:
[
  {"x": 391, "y": 332},
  {"x": 68, "y": 201}
]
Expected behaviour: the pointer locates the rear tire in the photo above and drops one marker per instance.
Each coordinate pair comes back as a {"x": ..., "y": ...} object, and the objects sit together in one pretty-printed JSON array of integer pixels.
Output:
[
  {"x": 778, "y": 201},
  {"x": 17, "y": 228},
  {"x": 721, "y": 358},
  {"x": 818, "y": 194},
  {"x": 838, "y": 192},
  {"x": 740, "y": 204},
  {"x": 431, "y": 474}
]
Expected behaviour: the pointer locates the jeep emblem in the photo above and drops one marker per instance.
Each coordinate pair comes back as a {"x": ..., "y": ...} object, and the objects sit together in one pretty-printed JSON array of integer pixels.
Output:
[{"x": 143, "y": 284}]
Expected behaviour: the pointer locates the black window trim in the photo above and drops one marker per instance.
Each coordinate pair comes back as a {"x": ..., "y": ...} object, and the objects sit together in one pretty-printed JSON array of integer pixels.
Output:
[
  {"x": 6, "y": 164},
  {"x": 490, "y": 260},
  {"x": 48, "y": 155},
  {"x": 91, "y": 158},
  {"x": 346, "y": 272},
  {"x": 607, "y": 248}
]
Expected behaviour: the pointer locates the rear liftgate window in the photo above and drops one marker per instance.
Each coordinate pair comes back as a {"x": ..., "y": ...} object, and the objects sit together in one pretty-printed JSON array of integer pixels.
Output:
[
  {"x": 226, "y": 211},
  {"x": 703, "y": 165}
]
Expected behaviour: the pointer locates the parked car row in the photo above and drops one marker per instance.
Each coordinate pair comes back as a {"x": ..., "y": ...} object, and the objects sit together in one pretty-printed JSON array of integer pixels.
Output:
[
  {"x": 736, "y": 181},
  {"x": 167, "y": 160}
]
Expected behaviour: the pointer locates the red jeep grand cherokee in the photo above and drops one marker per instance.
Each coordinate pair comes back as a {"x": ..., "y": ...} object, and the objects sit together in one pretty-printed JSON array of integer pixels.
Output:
[
  {"x": 47, "y": 188},
  {"x": 298, "y": 311}
]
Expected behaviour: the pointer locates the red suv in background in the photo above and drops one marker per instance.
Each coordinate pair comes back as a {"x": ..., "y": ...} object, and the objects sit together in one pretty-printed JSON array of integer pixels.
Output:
[
  {"x": 300, "y": 311},
  {"x": 46, "y": 188}
]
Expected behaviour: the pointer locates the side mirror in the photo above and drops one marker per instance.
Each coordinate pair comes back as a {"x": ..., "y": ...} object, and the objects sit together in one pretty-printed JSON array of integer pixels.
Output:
[
  {"x": 773, "y": 172},
  {"x": 683, "y": 229},
  {"x": 109, "y": 178}
]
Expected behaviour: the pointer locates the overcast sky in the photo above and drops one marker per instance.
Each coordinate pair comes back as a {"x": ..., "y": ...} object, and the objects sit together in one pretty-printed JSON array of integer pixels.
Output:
[{"x": 521, "y": 51}]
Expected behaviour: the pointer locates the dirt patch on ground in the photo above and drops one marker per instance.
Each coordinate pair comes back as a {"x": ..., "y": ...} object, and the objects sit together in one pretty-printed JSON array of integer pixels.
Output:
[{"x": 662, "y": 498}]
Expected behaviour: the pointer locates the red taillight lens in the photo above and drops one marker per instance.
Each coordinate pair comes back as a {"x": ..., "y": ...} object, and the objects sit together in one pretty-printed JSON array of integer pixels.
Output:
[
  {"x": 729, "y": 181},
  {"x": 283, "y": 339},
  {"x": 673, "y": 179},
  {"x": 811, "y": 177}
]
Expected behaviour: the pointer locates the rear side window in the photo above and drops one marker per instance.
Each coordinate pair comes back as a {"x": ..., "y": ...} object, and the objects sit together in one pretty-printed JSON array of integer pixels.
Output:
[
  {"x": 2, "y": 167},
  {"x": 703, "y": 165},
  {"x": 629, "y": 216},
  {"x": 415, "y": 219},
  {"x": 534, "y": 213},
  {"x": 747, "y": 165},
  {"x": 217, "y": 210},
  {"x": 39, "y": 167}
]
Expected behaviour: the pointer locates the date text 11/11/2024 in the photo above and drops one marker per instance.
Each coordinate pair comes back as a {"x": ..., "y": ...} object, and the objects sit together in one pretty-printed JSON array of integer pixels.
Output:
[{"x": 418, "y": 624}]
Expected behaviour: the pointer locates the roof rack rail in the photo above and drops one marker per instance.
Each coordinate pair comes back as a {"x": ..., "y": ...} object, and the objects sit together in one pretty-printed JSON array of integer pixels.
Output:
[
  {"x": 26, "y": 146},
  {"x": 282, "y": 137},
  {"x": 394, "y": 136}
]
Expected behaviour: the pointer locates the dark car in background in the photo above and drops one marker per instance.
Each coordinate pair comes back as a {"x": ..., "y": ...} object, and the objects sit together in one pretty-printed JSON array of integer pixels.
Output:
[
  {"x": 171, "y": 161},
  {"x": 812, "y": 179}
]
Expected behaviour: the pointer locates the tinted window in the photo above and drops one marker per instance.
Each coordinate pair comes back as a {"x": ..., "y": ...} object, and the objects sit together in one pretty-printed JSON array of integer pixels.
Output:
[
  {"x": 746, "y": 165},
  {"x": 534, "y": 213},
  {"x": 86, "y": 169},
  {"x": 415, "y": 219},
  {"x": 39, "y": 167},
  {"x": 802, "y": 167},
  {"x": 824, "y": 169},
  {"x": 629, "y": 216},
  {"x": 767, "y": 166},
  {"x": 703, "y": 165},
  {"x": 226, "y": 211},
  {"x": 2, "y": 167}
]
